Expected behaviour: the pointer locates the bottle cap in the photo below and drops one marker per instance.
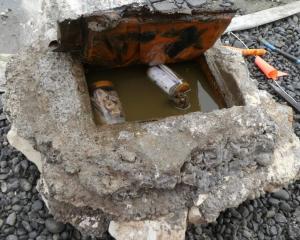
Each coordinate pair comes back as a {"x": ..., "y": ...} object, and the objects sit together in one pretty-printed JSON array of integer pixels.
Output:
[{"x": 105, "y": 84}]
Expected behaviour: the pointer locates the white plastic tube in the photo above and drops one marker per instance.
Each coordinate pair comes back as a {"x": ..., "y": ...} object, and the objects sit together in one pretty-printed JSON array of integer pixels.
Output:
[
  {"x": 263, "y": 17},
  {"x": 163, "y": 77}
]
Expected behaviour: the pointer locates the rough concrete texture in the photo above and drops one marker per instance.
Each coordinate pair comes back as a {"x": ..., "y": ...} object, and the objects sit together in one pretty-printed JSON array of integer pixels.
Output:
[
  {"x": 92, "y": 175},
  {"x": 4, "y": 58},
  {"x": 18, "y": 23},
  {"x": 72, "y": 9},
  {"x": 151, "y": 229}
]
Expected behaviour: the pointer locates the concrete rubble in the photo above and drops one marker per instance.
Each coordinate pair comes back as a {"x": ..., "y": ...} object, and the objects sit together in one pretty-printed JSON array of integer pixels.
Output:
[
  {"x": 4, "y": 58},
  {"x": 138, "y": 178}
]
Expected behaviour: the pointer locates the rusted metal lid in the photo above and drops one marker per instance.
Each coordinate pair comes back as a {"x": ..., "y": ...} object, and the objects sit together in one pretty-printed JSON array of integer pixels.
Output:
[
  {"x": 151, "y": 32},
  {"x": 183, "y": 87}
]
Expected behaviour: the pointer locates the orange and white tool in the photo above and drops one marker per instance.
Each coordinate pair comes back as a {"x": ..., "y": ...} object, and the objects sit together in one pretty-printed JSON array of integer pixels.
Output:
[{"x": 268, "y": 70}]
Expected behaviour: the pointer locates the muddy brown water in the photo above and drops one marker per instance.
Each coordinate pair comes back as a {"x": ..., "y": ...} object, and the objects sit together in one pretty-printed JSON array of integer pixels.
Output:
[{"x": 143, "y": 100}]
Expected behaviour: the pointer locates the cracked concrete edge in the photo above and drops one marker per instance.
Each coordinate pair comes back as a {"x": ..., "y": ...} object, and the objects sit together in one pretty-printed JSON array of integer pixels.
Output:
[
  {"x": 172, "y": 226},
  {"x": 229, "y": 64},
  {"x": 24, "y": 146},
  {"x": 4, "y": 58}
]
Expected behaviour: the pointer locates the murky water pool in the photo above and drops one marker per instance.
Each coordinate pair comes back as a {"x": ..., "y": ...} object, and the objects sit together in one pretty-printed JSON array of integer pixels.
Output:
[{"x": 143, "y": 100}]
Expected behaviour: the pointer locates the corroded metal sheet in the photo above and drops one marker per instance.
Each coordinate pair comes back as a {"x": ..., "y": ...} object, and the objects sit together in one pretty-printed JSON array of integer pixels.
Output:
[{"x": 144, "y": 34}]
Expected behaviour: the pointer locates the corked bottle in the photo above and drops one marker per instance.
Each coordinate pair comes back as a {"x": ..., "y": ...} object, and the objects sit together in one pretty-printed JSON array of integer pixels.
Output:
[
  {"x": 106, "y": 103},
  {"x": 171, "y": 84}
]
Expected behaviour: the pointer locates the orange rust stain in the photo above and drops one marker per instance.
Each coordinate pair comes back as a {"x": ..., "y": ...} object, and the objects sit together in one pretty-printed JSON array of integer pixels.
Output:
[
  {"x": 136, "y": 41},
  {"x": 113, "y": 47}
]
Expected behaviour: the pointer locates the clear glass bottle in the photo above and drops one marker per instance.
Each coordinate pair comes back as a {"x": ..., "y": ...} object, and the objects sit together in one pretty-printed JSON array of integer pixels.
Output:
[{"x": 106, "y": 103}]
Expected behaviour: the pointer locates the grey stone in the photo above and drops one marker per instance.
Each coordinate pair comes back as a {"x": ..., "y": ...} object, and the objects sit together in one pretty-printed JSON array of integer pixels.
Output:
[
  {"x": 27, "y": 226},
  {"x": 244, "y": 212},
  {"x": 4, "y": 176},
  {"x": 2, "y": 117},
  {"x": 17, "y": 208},
  {"x": 247, "y": 234},
  {"x": 273, "y": 231},
  {"x": 282, "y": 194},
  {"x": 3, "y": 187},
  {"x": 11, "y": 237},
  {"x": 3, "y": 164},
  {"x": 11, "y": 219},
  {"x": 64, "y": 236},
  {"x": 37, "y": 205},
  {"x": 164, "y": 6},
  {"x": 261, "y": 236},
  {"x": 280, "y": 218},
  {"x": 196, "y": 3},
  {"x": 54, "y": 226},
  {"x": 284, "y": 206},
  {"x": 13, "y": 185},
  {"x": 226, "y": 4},
  {"x": 25, "y": 185},
  {"x": 295, "y": 19},
  {"x": 273, "y": 201},
  {"x": 33, "y": 234},
  {"x": 41, "y": 237}
]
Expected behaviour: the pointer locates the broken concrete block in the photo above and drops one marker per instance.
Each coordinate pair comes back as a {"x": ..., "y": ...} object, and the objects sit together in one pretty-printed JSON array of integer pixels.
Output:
[
  {"x": 172, "y": 226},
  {"x": 4, "y": 58},
  {"x": 219, "y": 167},
  {"x": 133, "y": 175}
]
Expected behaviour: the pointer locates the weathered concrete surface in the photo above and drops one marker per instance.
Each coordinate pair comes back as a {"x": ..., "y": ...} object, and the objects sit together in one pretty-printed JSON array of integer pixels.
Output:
[
  {"x": 18, "y": 24},
  {"x": 4, "y": 58},
  {"x": 92, "y": 175},
  {"x": 172, "y": 226}
]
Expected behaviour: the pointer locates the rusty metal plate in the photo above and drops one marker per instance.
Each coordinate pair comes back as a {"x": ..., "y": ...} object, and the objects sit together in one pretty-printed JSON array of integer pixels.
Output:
[{"x": 122, "y": 38}]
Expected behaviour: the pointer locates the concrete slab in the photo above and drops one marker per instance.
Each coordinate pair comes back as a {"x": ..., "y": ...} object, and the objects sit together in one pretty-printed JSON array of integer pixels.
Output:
[{"x": 17, "y": 23}]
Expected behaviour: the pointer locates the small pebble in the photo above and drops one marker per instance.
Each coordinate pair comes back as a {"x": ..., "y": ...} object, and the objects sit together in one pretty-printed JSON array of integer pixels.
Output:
[
  {"x": 53, "y": 226},
  {"x": 11, "y": 219}
]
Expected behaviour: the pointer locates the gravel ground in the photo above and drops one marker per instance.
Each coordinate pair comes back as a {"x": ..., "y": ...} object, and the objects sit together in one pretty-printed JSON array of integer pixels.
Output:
[
  {"x": 274, "y": 216},
  {"x": 23, "y": 215}
]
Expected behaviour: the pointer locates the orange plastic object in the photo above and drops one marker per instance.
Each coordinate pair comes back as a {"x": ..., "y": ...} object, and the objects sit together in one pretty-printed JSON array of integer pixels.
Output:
[
  {"x": 267, "y": 69},
  {"x": 254, "y": 52},
  {"x": 249, "y": 52}
]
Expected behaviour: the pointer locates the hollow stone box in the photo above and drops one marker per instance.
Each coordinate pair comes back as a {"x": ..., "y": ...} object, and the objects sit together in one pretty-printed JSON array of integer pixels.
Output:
[{"x": 141, "y": 179}]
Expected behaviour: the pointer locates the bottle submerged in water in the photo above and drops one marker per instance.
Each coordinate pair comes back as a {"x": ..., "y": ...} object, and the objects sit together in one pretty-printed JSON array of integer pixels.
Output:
[
  {"x": 106, "y": 103},
  {"x": 171, "y": 84}
]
